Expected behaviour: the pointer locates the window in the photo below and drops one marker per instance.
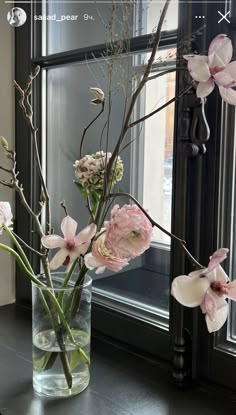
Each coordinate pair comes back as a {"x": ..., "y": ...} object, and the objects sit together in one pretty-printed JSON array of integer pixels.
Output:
[
  {"x": 135, "y": 306},
  {"x": 158, "y": 145}
]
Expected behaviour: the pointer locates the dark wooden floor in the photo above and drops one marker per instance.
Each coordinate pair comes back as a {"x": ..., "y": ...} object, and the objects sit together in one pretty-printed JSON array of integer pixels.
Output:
[{"x": 121, "y": 383}]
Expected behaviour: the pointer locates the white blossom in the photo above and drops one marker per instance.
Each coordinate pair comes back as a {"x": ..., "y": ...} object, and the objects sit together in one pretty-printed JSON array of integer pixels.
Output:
[
  {"x": 5, "y": 215},
  {"x": 90, "y": 170}
]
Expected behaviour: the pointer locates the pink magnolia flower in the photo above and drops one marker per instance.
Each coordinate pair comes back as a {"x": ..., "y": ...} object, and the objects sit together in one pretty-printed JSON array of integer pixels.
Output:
[
  {"x": 5, "y": 215},
  {"x": 129, "y": 232},
  {"x": 208, "y": 288},
  {"x": 215, "y": 69},
  {"x": 102, "y": 257},
  {"x": 72, "y": 246}
]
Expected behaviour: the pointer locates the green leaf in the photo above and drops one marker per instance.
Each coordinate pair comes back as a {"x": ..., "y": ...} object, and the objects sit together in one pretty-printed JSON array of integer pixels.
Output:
[
  {"x": 40, "y": 364},
  {"x": 75, "y": 359}
]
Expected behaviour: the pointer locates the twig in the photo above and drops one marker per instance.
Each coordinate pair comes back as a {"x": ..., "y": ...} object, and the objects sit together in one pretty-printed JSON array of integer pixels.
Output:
[
  {"x": 14, "y": 184},
  {"x": 99, "y": 234},
  {"x": 48, "y": 208},
  {"x": 158, "y": 75},
  {"x": 63, "y": 205},
  {"x": 101, "y": 137},
  {"x": 174, "y": 99},
  {"x": 89, "y": 125},
  {"x": 134, "y": 98},
  {"x": 27, "y": 111},
  {"x": 108, "y": 130},
  {"x": 6, "y": 170},
  {"x": 90, "y": 208},
  {"x": 22, "y": 242},
  {"x": 6, "y": 184},
  {"x": 139, "y": 89},
  {"x": 154, "y": 223}
]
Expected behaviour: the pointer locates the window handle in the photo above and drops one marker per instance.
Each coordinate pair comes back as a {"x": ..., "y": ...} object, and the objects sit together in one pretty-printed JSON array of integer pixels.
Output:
[{"x": 199, "y": 130}]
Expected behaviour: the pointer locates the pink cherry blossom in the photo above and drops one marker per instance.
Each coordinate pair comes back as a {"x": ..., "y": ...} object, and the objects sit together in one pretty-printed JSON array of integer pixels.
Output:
[
  {"x": 215, "y": 69},
  {"x": 208, "y": 288},
  {"x": 101, "y": 257},
  {"x": 5, "y": 215},
  {"x": 129, "y": 232},
  {"x": 72, "y": 246}
]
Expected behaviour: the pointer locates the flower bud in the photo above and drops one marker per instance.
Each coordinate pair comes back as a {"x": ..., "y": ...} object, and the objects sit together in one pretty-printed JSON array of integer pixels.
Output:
[
  {"x": 5, "y": 215},
  {"x": 4, "y": 143},
  {"x": 42, "y": 198},
  {"x": 99, "y": 96}
]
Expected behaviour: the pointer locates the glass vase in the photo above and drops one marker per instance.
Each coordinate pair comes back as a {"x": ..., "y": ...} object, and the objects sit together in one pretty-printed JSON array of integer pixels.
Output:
[{"x": 61, "y": 337}]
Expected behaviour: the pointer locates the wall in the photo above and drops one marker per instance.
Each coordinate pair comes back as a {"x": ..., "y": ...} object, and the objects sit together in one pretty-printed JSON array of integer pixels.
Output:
[{"x": 7, "y": 269}]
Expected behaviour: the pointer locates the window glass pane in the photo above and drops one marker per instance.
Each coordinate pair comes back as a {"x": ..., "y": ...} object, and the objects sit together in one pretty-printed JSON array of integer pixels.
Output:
[
  {"x": 68, "y": 111},
  {"x": 150, "y": 12},
  {"x": 82, "y": 24},
  {"x": 74, "y": 25},
  {"x": 158, "y": 152},
  {"x": 226, "y": 338}
]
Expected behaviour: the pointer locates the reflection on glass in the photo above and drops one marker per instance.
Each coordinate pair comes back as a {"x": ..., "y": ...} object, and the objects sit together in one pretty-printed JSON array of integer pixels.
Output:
[
  {"x": 158, "y": 153},
  {"x": 143, "y": 290},
  {"x": 74, "y": 25},
  {"x": 154, "y": 10}
]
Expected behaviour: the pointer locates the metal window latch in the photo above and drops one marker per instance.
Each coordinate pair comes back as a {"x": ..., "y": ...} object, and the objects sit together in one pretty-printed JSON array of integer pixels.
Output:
[{"x": 196, "y": 131}]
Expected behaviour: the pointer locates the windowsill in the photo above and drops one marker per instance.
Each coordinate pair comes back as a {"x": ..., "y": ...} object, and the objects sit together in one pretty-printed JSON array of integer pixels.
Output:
[{"x": 121, "y": 383}]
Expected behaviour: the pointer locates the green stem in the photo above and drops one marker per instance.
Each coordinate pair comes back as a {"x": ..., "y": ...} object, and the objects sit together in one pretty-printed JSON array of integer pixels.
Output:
[
  {"x": 25, "y": 266},
  {"x": 33, "y": 278},
  {"x": 61, "y": 315},
  {"x": 66, "y": 325},
  {"x": 82, "y": 273},
  {"x": 19, "y": 248},
  {"x": 22, "y": 265},
  {"x": 66, "y": 280},
  {"x": 45, "y": 305}
]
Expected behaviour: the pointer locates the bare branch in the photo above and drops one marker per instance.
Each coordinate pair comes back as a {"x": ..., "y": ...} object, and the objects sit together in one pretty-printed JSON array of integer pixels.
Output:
[
  {"x": 90, "y": 208},
  {"x": 176, "y": 98},
  {"x": 6, "y": 170},
  {"x": 27, "y": 111},
  {"x": 6, "y": 184},
  {"x": 89, "y": 125},
  {"x": 159, "y": 74},
  {"x": 134, "y": 97},
  {"x": 138, "y": 89},
  {"x": 14, "y": 184},
  {"x": 22, "y": 242},
  {"x": 63, "y": 205}
]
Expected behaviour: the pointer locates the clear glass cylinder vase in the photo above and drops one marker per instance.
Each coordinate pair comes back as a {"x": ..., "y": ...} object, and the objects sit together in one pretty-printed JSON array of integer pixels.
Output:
[{"x": 61, "y": 319}]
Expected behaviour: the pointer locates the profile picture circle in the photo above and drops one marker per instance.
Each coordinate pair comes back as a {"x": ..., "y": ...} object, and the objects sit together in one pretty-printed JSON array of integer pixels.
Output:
[{"x": 16, "y": 17}]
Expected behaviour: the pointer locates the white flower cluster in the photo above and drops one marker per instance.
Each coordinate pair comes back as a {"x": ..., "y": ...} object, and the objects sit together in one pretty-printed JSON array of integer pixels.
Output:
[{"x": 91, "y": 168}]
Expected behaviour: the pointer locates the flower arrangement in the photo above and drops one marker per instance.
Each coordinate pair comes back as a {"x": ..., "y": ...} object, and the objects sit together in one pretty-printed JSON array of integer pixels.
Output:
[{"x": 111, "y": 243}]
